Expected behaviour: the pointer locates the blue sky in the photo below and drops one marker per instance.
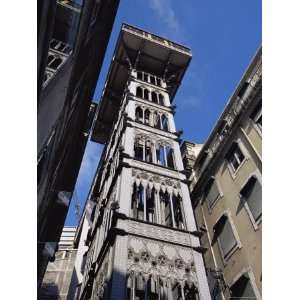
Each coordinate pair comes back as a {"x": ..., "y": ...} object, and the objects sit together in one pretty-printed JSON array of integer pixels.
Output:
[{"x": 223, "y": 37}]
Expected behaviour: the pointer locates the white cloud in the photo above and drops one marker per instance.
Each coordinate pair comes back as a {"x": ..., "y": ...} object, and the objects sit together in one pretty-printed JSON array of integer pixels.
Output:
[{"x": 165, "y": 12}]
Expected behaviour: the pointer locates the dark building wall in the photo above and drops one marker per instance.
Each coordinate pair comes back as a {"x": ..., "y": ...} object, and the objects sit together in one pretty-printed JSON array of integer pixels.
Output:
[{"x": 65, "y": 110}]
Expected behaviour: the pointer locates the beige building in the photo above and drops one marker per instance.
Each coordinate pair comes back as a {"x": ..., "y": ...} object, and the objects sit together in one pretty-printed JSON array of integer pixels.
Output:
[
  {"x": 225, "y": 186},
  {"x": 57, "y": 279}
]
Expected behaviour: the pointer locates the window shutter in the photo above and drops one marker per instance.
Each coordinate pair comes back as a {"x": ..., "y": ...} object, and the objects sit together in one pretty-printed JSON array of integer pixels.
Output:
[
  {"x": 254, "y": 200},
  {"x": 226, "y": 238}
]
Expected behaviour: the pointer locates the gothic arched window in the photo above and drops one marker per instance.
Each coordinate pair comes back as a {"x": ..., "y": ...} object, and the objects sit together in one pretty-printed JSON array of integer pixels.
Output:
[
  {"x": 139, "y": 92},
  {"x": 170, "y": 157},
  {"x": 139, "y": 75},
  {"x": 164, "y": 122},
  {"x": 150, "y": 205},
  {"x": 160, "y": 155},
  {"x": 161, "y": 99},
  {"x": 135, "y": 287},
  {"x": 154, "y": 97},
  {"x": 139, "y": 114},
  {"x": 146, "y": 94},
  {"x": 156, "y": 120},
  {"x": 146, "y": 77},
  {"x": 138, "y": 150},
  {"x": 177, "y": 208},
  {"x": 158, "y": 80},
  {"x": 147, "y": 117},
  {"x": 152, "y": 79},
  {"x": 148, "y": 152}
]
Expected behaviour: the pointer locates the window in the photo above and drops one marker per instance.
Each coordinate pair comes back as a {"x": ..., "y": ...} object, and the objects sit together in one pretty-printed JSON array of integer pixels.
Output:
[
  {"x": 178, "y": 218},
  {"x": 164, "y": 122},
  {"x": 137, "y": 202},
  {"x": 156, "y": 120},
  {"x": 135, "y": 287},
  {"x": 147, "y": 117},
  {"x": 160, "y": 155},
  {"x": 148, "y": 152},
  {"x": 139, "y": 92},
  {"x": 235, "y": 157},
  {"x": 146, "y": 94},
  {"x": 152, "y": 79},
  {"x": 138, "y": 150},
  {"x": 143, "y": 203},
  {"x": 146, "y": 77},
  {"x": 242, "y": 288},
  {"x": 139, "y": 114},
  {"x": 165, "y": 200},
  {"x": 140, "y": 75},
  {"x": 161, "y": 99},
  {"x": 211, "y": 192},
  {"x": 154, "y": 97},
  {"x": 224, "y": 234},
  {"x": 251, "y": 194},
  {"x": 158, "y": 81},
  {"x": 256, "y": 116},
  {"x": 170, "y": 157},
  {"x": 150, "y": 205}
]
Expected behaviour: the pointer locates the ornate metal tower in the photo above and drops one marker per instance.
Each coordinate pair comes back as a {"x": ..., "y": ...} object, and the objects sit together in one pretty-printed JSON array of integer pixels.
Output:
[{"x": 143, "y": 241}]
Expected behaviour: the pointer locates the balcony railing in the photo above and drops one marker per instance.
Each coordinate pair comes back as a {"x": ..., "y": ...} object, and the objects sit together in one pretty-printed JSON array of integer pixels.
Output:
[{"x": 157, "y": 39}]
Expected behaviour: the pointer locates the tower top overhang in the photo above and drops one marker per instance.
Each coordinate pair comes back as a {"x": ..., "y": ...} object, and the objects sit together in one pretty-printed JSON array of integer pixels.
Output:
[{"x": 140, "y": 50}]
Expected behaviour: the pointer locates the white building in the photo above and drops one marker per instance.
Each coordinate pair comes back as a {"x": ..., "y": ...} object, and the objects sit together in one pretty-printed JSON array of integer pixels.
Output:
[{"x": 142, "y": 239}]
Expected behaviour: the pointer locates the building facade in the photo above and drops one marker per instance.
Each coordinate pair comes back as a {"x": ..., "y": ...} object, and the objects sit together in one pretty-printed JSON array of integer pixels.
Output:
[
  {"x": 72, "y": 40},
  {"x": 142, "y": 242},
  {"x": 57, "y": 279},
  {"x": 225, "y": 186}
]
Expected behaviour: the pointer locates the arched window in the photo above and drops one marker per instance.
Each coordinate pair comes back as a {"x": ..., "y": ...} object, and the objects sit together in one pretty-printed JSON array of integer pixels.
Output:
[
  {"x": 146, "y": 77},
  {"x": 147, "y": 116},
  {"x": 146, "y": 94},
  {"x": 190, "y": 291},
  {"x": 139, "y": 114},
  {"x": 158, "y": 80},
  {"x": 153, "y": 287},
  {"x": 137, "y": 202},
  {"x": 170, "y": 157},
  {"x": 135, "y": 287},
  {"x": 138, "y": 150},
  {"x": 152, "y": 79},
  {"x": 140, "y": 75},
  {"x": 139, "y": 92},
  {"x": 156, "y": 120},
  {"x": 164, "y": 122},
  {"x": 161, "y": 99},
  {"x": 160, "y": 155},
  {"x": 166, "y": 208},
  {"x": 154, "y": 97},
  {"x": 148, "y": 152},
  {"x": 150, "y": 205},
  {"x": 178, "y": 217}
]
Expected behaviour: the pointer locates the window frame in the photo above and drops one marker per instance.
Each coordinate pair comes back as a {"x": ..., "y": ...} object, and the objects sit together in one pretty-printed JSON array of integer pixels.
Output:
[
  {"x": 251, "y": 280},
  {"x": 233, "y": 172},
  {"x": 226, "y": 258},
  {"x": 220, "y": 196},
  {"x": 254, "y": 223}
]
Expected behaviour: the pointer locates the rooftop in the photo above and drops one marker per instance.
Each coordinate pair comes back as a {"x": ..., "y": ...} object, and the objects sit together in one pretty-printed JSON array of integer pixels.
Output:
[{"x": 138, "y": 49}]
